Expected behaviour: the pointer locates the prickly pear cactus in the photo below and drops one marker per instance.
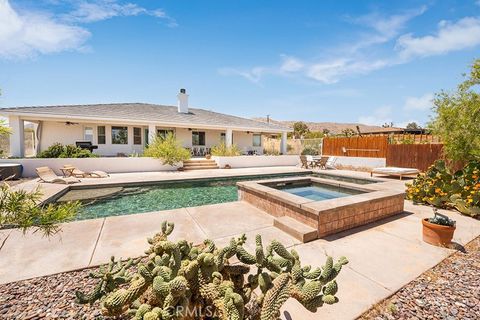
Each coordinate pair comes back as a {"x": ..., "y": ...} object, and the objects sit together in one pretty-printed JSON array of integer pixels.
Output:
[{"x": 180, "y": 281}]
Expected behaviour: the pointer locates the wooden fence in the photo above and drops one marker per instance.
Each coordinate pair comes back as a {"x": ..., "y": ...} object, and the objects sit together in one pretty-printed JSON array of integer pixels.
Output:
[
  {"x": 367, "y": 146},
  {"x": 419, "y": 156}
]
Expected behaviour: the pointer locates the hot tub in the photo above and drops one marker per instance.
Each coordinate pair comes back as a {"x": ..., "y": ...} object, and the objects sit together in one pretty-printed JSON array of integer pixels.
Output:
[
  {"x": 325, "y": 205},
  {"x": 10, "y": 170}
]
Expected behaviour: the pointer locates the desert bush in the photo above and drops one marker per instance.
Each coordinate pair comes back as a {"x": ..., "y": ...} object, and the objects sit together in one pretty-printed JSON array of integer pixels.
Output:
[
  {"x": 168, "y": 149},
  {"x": 221, "y": 150},
  {"x": 57, "y": 150},
  {"x": 181, "y": 281},
  {"x": 441, "y": 188},
  {"x": 21, "y": 209},
  {"x": 309, "y": 151}
]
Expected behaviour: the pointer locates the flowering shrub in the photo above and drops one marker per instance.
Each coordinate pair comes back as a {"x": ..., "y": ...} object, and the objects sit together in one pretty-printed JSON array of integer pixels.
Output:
[{"x": 440, "y": 188}]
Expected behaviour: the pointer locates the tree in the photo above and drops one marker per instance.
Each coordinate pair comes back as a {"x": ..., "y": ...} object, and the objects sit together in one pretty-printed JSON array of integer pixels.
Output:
[
  {"x": 413, "y": 126},
  {"x": 348, "y": 132},
  {"x": 4, "y": 130},
  {"x": 168, "y": 149},
  {"x": 299, "y": 129},
  {"x": 326, "y": 131},
  {"x": 21, "y": 209},
  {"x": 457, "y": 118},
  {"x": 387, "y": 125}
]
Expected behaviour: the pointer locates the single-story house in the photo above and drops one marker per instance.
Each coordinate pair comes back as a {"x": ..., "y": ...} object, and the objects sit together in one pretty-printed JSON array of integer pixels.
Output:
[{"x": 126, "y": 128}]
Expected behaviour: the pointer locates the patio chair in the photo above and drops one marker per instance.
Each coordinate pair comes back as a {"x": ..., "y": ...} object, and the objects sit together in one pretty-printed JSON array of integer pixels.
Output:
[
  {"x": 330, "y": 164},
  {"x": 75, "y": 172},
  {"x": 47, "y": 175},
  {"x": 304, "y": 161},
  {"x": 322, "y": 163}
]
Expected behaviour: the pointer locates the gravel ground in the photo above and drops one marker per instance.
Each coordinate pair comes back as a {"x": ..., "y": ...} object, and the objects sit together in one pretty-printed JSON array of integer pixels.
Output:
[{"x": 450, "y": 290}]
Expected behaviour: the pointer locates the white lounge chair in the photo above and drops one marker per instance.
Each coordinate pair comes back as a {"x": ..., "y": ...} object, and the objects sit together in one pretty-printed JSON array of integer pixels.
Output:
[
  {"x": 47, "y": 175},
  {"x": 395, "y": 171},
  {"x": 75, "y": 172},
  {"x": 331, "y": 163}
]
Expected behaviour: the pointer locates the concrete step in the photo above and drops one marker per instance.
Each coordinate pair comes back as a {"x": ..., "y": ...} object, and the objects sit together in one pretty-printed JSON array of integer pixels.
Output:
[
  {"x": 199, "y": 168},
  {"x": 296, "y": 229}
]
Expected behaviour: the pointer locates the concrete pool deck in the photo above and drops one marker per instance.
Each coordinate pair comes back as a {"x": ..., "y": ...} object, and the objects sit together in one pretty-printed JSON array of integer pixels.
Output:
[{"x": 384, "y": 256}]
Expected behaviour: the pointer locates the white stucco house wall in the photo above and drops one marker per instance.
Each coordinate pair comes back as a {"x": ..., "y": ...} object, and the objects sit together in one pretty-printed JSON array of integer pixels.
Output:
[{"x": 126, "y": 128}]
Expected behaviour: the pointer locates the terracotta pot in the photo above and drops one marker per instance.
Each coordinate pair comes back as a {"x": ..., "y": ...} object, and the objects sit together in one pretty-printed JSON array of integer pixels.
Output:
[
  {"x": 208, "y": 157},
  {"x": 436, "y": 234}
]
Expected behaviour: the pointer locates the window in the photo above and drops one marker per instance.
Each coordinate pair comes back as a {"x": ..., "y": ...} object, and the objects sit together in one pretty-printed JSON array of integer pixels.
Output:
[
  {"x": 137, "y": 135},
  {"x": 257, "y": 140},
  {"x": 88, "y": 134},
  {"x": 119, "y": 135},
  {"x": 222, "y": 137},
  {"x": 198, "y": 138},
  {"x": 163, "y": 133},
  {"x": 101, "y": 135}
]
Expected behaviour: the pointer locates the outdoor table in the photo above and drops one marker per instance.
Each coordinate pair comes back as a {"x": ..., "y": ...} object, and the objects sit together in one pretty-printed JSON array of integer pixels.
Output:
[{"x": 67, "y": 171}]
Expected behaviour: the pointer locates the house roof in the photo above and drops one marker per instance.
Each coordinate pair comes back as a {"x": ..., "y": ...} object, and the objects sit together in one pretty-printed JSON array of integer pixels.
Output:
[{"x": 145, "y": 112}]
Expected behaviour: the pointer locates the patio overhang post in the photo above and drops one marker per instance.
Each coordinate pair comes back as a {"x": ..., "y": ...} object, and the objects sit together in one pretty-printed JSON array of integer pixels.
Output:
[
  {"x": 228, "y": 137},
  {"x": 152, "y": 132},
  {"x": 17, "y": 143},
  {"x": 283, "y": 143}
]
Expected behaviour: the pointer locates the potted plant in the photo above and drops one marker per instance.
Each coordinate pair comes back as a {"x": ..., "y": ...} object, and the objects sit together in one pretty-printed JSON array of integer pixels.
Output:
[
  {"x": 208, "y": 156},
  {"x": 438, "y": 230}
]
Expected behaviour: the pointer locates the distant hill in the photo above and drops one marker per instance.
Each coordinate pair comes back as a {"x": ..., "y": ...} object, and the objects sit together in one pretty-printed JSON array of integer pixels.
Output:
[{"x": 333, "y": 127}]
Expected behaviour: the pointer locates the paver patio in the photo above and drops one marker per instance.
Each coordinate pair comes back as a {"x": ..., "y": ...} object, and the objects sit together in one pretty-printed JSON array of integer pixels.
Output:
[{"x": 383, "y": 256}]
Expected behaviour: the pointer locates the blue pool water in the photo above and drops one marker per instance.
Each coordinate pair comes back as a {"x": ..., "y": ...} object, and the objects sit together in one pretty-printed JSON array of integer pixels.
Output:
[
  {"x": 318, "y": 192},
  {"x": 115, "y": 201}
]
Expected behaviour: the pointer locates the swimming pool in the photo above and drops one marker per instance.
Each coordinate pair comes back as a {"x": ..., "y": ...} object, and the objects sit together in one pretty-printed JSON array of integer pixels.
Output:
[
  {"x": 319, "y": 192},
  {"x": 123, "y": 200}
]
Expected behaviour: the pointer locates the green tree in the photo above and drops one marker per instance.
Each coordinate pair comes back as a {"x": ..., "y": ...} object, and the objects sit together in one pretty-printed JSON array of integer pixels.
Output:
[
  {"x": 457, "y": 118},
  {"x": 387, "y": 125},
  {"x": 299, "y": 129},
  {"x": 348, "y": 132},
  {"x": 168, "y": 149},
  {"x": 21, "y": 209},
  {"x": 4, "y": 130},
  {"x": 413, "y": 126}
]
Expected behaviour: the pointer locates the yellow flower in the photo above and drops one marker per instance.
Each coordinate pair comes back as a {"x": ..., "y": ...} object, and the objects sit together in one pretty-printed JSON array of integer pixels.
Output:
[{"x": 470, "y": 200}]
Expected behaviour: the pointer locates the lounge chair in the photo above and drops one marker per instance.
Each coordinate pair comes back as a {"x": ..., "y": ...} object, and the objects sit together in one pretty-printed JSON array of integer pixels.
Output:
[
  {"x": 75, "y": 172},
  {"x": 395, "y": 171},
  {"x": 330, "y": 164},
  {"x": 47, "y": 175}
]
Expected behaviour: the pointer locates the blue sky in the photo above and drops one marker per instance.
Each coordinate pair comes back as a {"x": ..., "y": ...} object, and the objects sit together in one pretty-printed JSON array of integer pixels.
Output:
[{"x": 344, "y": 61}]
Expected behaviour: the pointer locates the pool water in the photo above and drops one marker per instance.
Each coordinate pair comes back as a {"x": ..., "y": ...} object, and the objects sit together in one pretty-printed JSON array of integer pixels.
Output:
[
  {"x": 117, "y": 201},
  {"x": 319, "y": 192}
]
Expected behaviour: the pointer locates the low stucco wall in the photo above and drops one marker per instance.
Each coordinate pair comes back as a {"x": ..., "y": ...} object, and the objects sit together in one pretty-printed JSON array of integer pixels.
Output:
[
  {"x": 257, "y": 161},
  {"x": 109, "y": 165},
  {"x": 360, "y": 162}
]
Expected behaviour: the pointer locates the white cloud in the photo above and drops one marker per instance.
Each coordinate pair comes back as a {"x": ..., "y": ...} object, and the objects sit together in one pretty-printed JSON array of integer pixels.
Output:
[
  {"x": 29, "y": 33},
  {"x": 462, "y": 34},
  {"x": 291, "y": 64},
  {"x": 254, "y": 75},
  {"x": 379, "y": 117},
  {"x": 92, "y": 11},
  {"x": 419, "y": 103},
  {"x": 333, "y": 71}
]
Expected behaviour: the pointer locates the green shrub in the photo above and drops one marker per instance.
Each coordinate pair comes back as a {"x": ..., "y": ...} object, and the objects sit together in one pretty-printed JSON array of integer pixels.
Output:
[
  {"x": 309, "y": 151},
  {"x": 221, "y": 150},
  {"x": 168, "y": 149},
  {"x": 443, "y": 189},
  {"x": 57, "y": 150}
]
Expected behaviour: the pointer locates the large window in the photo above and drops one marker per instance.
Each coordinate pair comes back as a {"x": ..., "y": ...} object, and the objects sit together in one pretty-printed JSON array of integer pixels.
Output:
[
  {"x": 137, "y": 135},
  {"x": 257, "y": 140},
  {"x": 119, "y": 135},
  {"x": 198, "y": 138},
  {"x": 162, "y": 133},
  {"x": 88, "y": 134},
  {"x": 101, "y": 135}
]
